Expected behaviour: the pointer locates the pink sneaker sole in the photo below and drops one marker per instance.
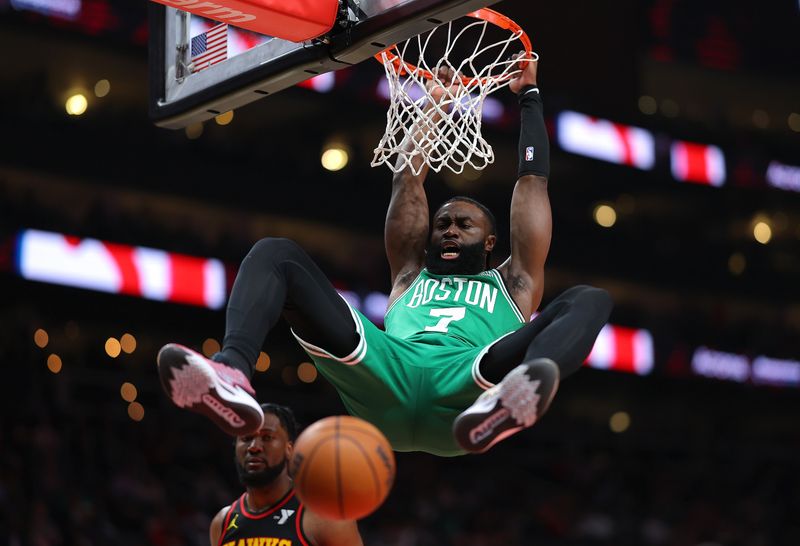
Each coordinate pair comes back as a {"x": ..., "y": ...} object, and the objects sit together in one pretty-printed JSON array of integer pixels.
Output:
[{"x": 210, "y": 388}]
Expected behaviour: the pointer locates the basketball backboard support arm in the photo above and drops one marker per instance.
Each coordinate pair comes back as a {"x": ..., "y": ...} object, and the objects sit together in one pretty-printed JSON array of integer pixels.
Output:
[{"x": 179, "y": 98}]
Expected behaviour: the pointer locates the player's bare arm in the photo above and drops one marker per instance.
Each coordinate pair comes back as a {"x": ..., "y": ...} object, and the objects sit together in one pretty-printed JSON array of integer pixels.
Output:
[
  {"x": 406, "y": 228},
  {"x": 407, "y": 223},
  {"x": 215, "y": 530},
  {"x": 531, "y": 219},
  {"x": 325, "y": 532}
]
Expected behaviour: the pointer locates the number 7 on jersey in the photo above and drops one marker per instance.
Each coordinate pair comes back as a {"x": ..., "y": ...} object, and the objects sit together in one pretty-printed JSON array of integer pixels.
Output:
[{"x": 448, "y": 315}]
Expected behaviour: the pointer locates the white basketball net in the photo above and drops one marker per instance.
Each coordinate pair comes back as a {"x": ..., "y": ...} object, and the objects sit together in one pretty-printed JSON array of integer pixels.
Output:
[{"x": 419, "y": 130}]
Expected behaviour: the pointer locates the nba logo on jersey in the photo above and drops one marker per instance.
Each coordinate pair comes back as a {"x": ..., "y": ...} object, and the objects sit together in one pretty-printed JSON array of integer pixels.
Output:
[{"x": 529, "y": 153}]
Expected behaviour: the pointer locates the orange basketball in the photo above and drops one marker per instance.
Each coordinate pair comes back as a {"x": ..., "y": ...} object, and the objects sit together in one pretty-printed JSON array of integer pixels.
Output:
[{"x": 343, "y": 467}]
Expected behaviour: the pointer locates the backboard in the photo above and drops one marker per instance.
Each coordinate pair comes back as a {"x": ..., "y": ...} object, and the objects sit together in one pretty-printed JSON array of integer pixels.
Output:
[{"x": 253, "y": 66}]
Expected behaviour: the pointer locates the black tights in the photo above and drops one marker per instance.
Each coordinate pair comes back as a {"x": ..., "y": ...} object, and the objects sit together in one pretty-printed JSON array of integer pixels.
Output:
[
  {"x": 565, "y": 331},
  {"x": 278, "y": 278}
]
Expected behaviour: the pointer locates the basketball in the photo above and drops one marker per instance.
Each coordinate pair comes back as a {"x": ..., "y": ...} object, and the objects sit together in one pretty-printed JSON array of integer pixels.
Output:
[{"x": 343, "y": 468}]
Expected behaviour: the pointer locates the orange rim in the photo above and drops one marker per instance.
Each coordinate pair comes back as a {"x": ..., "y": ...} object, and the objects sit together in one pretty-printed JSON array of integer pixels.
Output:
[{"x": 485, "y": 14}]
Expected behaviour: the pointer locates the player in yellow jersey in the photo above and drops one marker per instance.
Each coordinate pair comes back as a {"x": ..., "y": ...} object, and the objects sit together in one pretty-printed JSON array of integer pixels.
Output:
[{"x": 460, "y": 366}]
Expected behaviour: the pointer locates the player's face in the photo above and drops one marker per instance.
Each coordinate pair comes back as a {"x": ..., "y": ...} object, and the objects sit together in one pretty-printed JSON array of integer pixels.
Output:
[
  {"x": 459, "y": 240},
  {"x": 262, "y": 457}
]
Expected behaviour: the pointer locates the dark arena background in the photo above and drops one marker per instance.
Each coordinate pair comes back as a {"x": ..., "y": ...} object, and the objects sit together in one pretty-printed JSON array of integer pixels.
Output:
[{"x": 675, "y": 135}]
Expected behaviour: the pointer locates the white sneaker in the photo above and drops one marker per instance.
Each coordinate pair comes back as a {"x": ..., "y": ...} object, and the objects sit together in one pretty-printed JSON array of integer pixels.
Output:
[{"x": 514, "y": 404}]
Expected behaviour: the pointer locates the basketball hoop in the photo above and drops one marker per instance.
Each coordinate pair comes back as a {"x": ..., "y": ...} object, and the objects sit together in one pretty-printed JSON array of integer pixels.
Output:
[{"x": 447, "y": 133}]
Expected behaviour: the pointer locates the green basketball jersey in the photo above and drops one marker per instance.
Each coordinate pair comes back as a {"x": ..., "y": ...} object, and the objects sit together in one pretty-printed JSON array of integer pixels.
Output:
[
  {"x": 472, "y": 310},
  {"x": 412, "y": 380}
]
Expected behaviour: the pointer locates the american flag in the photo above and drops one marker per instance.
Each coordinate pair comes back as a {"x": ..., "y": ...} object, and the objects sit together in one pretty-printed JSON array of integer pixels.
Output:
[{"x": 210, "y": 47}]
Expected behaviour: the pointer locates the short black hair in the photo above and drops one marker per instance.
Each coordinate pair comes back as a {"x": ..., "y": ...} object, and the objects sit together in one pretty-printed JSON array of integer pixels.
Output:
[
  {"x": 484, "y": 209},
  {"x": 286, "y": 416}
]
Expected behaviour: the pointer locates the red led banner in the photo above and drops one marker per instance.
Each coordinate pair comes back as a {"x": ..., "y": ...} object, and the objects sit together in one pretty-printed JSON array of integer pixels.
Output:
[{"x": 121, "y": 269}]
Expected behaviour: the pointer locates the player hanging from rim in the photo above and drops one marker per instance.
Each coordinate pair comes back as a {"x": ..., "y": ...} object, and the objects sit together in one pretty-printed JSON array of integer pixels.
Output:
[
  {"x": 459, "y": 366},
  {"x": 269, "y": 509}
]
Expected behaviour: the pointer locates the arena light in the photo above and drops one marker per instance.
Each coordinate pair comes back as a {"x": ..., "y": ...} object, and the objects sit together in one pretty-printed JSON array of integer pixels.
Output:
[
  {"x": 65, "y": 9},
  {"x": 128, "y": 343},
  {"x": 54, "y": 363},
  {"x": 210, "y": 347},
  {"x": 41, "y": 338},
  {"x": 775, "y": 371},
  {"x": 136, "y": 411},
  {"x": 783, "y": 177},
  {"x": 263, "y": 362},
  {"x": 113, "y": 347},
  {"x": 76, "y": 104},
  {"x": 109, "y": 267},
  {"x": 605, "y": 140},
  {"x": 128, "y": 392},
  {"x": 697, "y": 163},
  {"x": 605, "y": 215},
  {"x": 307, "y": 372},
  {"x": 619, "y": 422},
  {"x": 102, "y": 88},
  {"x": 762, "y": 370},
  {"x": 335, "y": 157},
  {"x": 720, "y": 365},
  {"x": 623, "y": 349},
  {"x": 762, "y": 231}
]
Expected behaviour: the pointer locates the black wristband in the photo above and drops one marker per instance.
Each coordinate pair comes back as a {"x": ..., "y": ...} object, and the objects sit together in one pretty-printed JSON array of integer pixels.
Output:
[
  {"x": 524, "y": 92},
  {"x": 534, "y": 145}
]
